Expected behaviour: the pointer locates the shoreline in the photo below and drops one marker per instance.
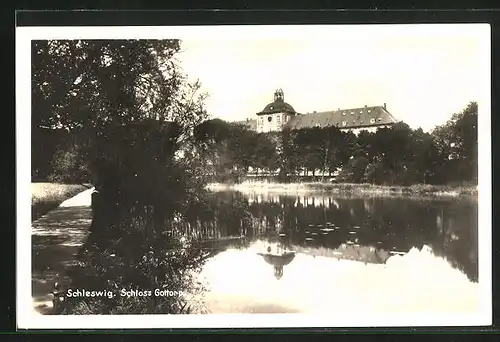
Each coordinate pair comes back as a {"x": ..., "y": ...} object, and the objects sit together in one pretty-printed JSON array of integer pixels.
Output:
[{"x": 421, "y": 190}]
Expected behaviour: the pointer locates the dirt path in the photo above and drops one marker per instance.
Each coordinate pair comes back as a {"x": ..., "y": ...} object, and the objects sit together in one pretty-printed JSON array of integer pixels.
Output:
[{"x": 56, "y": 238}]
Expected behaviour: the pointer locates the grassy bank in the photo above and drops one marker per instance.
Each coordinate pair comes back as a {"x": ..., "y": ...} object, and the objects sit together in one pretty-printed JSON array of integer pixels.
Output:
[
  {"x": 354, "y": 189},
  {"x": 47, "y": 196}
]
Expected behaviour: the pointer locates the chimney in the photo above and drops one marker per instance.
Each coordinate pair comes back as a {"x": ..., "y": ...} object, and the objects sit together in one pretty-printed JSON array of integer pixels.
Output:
[
  {"x": 366, "y": 106},
  {"x": 385, "y": 105}
]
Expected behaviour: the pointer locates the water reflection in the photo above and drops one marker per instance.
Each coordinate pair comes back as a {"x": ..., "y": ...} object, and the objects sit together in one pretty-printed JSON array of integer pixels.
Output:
[
  {"x": 239, "y": 281},
  {"x": 331, "y": 252},
  {"x": 367, "y": 230},
  {"x": 278, "y": 257}
]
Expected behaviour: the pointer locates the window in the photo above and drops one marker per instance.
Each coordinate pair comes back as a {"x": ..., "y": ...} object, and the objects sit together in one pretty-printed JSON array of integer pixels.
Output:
[
  {"x": 352, "y": 112},
  {"x": 379, "y": 119},
  {"x": 269, "y": 118},
  {"x": 278, "y": 119},
  {"x": 369, "y": 110},
  {"x": 343, "y": 113},
  {"x": 271, "y": 107},
  {"x": 344, "y": 123},
  {"x": 360, "y": 112},
  {"x": 372, "y": 120}
]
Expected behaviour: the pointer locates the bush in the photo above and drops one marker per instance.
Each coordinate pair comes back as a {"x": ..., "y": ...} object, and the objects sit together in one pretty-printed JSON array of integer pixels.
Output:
[
  {"x": 44, "y": 144},
  {"x": 132, "y": 263},
  {"x": 354, "y": 171},
  {"x": 141, "y": 184},
  {"x": 69, "y": 166}
]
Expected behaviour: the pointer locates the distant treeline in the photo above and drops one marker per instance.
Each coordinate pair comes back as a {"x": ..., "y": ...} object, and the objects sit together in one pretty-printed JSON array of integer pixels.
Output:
[{"x": 393, "y": 156}]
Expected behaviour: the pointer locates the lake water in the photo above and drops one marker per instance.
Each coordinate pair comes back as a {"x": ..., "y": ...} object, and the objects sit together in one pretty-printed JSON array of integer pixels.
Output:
[{"x": 351, "y": 253}]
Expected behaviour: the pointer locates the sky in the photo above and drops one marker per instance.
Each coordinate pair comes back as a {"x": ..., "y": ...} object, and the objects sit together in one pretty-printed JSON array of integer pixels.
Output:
[{"x": 424, "y": 73}]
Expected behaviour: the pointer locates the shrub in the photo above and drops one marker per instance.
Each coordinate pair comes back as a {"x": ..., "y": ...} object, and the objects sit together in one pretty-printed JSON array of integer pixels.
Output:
[
  {"x": 354, "y": 171},
  {"x": 69, "y": 166},
  {"x": 141, "y": 184},
  {"x": 132, "y": 263}
]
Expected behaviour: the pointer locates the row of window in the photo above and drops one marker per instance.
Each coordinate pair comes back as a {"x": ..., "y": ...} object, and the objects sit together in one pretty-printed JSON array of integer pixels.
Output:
[
  {"x": 344, "y": 123},
  {"x": 360, "y": 112},
  {"x": 372, "y": 121},
  {"x": 270, "y": 119}
]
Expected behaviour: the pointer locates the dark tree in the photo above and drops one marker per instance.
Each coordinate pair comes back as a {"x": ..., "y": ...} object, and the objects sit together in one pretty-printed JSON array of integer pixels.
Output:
[
  {"x": 132, "y": 114},
  {"x": 456, "y": 142}
]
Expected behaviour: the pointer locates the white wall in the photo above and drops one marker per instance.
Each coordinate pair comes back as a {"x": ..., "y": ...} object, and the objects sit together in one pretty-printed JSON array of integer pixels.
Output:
[
  {"x": 264, "y": 125},
  {"x": 356, "y": 131}
]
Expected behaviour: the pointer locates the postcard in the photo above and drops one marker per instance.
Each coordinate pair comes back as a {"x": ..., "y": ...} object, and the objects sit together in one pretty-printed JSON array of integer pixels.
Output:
[{"x": 253, "y": 176}]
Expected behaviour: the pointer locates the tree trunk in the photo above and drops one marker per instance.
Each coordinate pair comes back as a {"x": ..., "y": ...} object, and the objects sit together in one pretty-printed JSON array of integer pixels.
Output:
[{"x": 325, "y": 164}]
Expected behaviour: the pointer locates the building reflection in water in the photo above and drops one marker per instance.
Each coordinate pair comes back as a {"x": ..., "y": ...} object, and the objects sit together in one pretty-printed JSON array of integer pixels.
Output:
[
  {"x": 278, "y": 256},
  {"x": 347, "y": 225},
  {"x": 323, "y": 280}
]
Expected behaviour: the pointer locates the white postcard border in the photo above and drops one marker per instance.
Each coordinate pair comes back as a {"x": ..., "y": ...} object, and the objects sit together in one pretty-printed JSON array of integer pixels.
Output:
[{"x": 28, "y": 319}]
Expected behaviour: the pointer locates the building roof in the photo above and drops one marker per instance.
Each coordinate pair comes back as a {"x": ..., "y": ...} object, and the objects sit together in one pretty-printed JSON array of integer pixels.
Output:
[
  {"x": 354, "y": 118},
  {"x": 278, "y": 105}
]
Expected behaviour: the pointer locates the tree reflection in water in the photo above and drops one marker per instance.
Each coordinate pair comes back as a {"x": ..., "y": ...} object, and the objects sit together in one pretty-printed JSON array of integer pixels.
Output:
[{"x": 354, "y": 227}]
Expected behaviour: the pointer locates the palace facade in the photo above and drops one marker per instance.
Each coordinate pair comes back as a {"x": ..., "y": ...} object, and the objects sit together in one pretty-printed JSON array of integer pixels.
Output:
[{"x": 279, "y": 115}]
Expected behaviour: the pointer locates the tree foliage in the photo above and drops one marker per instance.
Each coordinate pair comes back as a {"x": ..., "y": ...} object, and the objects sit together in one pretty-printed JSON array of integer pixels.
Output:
[
  {"x": 86, "y": 86},
  {"x": 456, "y": 142},
  {"x": 129, "y": 116},
  {"x": 396, "y": 155}
]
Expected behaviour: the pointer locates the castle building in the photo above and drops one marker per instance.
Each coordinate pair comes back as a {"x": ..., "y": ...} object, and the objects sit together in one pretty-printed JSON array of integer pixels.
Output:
[
  {"x": 275, "y": 115},
  {"x": 279, "y": 115}
]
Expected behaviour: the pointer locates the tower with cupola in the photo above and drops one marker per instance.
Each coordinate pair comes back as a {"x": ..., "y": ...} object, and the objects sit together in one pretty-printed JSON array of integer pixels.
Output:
[{"x": 275, "y": 114}]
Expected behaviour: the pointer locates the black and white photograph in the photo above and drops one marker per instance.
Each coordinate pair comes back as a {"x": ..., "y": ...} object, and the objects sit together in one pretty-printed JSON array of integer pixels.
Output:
[{"x": 253, "y": 176}]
